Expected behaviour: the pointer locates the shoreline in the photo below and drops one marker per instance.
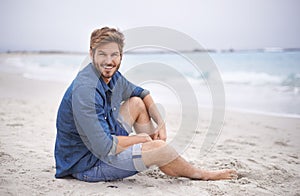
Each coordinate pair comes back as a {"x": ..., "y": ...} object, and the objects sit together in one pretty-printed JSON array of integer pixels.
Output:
[
  {"x": 227, "y": 108},
  {"x": 263, "y": 113}
]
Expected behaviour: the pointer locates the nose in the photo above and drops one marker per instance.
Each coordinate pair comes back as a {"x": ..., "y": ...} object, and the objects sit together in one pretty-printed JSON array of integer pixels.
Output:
[{"x": 108, "y": 59}]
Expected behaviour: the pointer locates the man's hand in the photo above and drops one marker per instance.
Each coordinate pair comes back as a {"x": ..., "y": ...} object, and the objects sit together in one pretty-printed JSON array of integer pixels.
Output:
[
  {"x": 160, "y": 133},
  {"x": 125, "y": 141},
  {"x": 142, "y": 137}
]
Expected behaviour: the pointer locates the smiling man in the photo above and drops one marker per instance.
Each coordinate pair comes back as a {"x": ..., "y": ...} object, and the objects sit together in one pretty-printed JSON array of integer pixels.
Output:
[{"x": 97, "y": 114}]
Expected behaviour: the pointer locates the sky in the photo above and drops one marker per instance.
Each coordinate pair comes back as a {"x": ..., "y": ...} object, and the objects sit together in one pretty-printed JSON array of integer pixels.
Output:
[{"x": 66, "y": 25}]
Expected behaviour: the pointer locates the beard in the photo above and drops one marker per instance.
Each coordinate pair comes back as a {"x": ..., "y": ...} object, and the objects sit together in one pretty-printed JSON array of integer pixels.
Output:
[{"x": 106, "y": 71}]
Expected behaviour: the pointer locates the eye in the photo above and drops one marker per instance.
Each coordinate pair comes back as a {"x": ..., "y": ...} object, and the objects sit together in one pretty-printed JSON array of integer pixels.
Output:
[
  {"x": 115, "y": 55},
  {"x": 101, "y": 53}
]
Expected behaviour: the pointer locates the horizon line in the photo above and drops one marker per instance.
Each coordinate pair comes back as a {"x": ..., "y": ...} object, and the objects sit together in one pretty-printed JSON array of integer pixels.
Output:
[{"x": 230, "y": 50}]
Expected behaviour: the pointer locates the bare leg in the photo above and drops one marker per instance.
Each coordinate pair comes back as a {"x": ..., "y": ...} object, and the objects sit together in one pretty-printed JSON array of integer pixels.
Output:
[
  {"x": 134, "y": 112},
  {"x": 158, "y": 153},
  {"x": 167, "y": 159}
]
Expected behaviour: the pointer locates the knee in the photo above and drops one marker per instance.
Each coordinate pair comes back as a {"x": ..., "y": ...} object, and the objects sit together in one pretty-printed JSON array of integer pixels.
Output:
[
  {"x": 153, "y": 145},
  {"x": 137, "y": 102},
  {"x": 158, "y": 143},
  {"x": 158, "y": 152}
]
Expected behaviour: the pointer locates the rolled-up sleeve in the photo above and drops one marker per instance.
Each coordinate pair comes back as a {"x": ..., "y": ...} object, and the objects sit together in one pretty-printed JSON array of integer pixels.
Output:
[
  {"x": 139, "y": 92},
  {"x": 90, "y": 121}
]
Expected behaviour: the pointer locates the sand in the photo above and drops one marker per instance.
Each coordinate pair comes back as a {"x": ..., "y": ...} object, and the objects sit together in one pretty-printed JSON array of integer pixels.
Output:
[{"x": 264, "y": 149}]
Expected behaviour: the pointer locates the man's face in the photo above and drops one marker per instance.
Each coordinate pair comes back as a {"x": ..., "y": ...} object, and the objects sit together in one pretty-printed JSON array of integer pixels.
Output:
[{"x": 107, "y": 60}]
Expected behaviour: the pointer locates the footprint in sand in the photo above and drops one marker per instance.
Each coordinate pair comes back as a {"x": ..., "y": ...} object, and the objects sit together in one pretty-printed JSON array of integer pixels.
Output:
[
  {"x": 293, "y": 156},
  {"x": 252, "y": 160},
  {"x": 15, "y": 125},
  {"x": 281, "y": 143},
  {"x": 5, "y": 158}
]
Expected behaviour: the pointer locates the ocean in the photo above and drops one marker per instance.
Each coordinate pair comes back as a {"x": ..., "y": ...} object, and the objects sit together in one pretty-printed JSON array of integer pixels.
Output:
[{"x": 254, "y": 81}]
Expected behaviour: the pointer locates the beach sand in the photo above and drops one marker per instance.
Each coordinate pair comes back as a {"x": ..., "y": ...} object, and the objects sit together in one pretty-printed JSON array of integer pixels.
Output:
[{"x": 264, "y": 149}]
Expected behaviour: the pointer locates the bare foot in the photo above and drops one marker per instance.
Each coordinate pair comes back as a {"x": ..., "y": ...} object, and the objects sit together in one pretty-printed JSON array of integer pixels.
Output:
[{"x": 224, "y": 174}]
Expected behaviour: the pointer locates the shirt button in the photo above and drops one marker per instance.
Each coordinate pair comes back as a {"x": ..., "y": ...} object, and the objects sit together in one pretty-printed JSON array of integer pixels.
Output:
[
  {"x": 105, "y": 117},
  {"x": 115, "y": 109}
]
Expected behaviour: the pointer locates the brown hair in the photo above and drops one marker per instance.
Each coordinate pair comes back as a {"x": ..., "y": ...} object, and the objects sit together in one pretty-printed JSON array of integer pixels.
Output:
[{"x": 106, "y": 35}]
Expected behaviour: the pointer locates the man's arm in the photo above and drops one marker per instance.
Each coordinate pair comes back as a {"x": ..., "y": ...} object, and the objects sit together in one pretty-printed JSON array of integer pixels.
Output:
[
  {"x": 126, "y": 141},
  {"x": 89, "y": 118},
  {"x": 160, "y": 133}
]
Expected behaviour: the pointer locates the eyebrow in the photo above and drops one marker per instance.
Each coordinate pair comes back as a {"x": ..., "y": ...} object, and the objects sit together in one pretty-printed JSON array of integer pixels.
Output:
[{"x": 100, "y": 51}]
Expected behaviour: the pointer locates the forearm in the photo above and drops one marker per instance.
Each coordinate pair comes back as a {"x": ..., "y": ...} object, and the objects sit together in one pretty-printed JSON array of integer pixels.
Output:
[
  {"x": 153, "y": 110},
  {"x": 160, "y": 132},
  {"x": 126, "y": 141}
]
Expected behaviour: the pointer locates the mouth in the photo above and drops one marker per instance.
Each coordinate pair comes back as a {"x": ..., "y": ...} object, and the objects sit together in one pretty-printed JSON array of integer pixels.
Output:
[{"x": 108, "y": 67}]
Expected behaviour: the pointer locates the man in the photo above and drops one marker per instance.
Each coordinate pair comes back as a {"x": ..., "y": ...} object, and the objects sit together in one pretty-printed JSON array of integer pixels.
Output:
[{"x": 95, "y": 118}]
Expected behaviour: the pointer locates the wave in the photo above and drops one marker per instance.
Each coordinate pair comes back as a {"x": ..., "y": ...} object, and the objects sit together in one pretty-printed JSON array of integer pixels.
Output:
[
  {"x": 251, "y": 78},
  {"x": 62, "y": 68},
  {"x": 65, "y": 67},
  {"x": 284, "y": 83}
]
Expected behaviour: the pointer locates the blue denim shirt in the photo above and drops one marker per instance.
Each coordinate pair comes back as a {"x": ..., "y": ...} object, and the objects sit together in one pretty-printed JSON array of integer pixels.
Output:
[{"x": 88, "y": 120}]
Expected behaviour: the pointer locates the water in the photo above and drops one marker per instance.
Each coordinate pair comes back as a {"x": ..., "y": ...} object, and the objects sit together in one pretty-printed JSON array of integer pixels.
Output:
[{"x": 261, "y": 82}]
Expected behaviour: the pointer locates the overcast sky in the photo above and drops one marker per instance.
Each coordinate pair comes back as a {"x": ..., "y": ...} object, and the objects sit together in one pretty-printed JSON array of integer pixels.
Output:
[{"x": 215, "y": 24}]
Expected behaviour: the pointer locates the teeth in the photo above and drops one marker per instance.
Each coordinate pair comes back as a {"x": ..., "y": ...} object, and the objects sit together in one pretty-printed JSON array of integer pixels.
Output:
[{"x": 108, "y": 67}]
